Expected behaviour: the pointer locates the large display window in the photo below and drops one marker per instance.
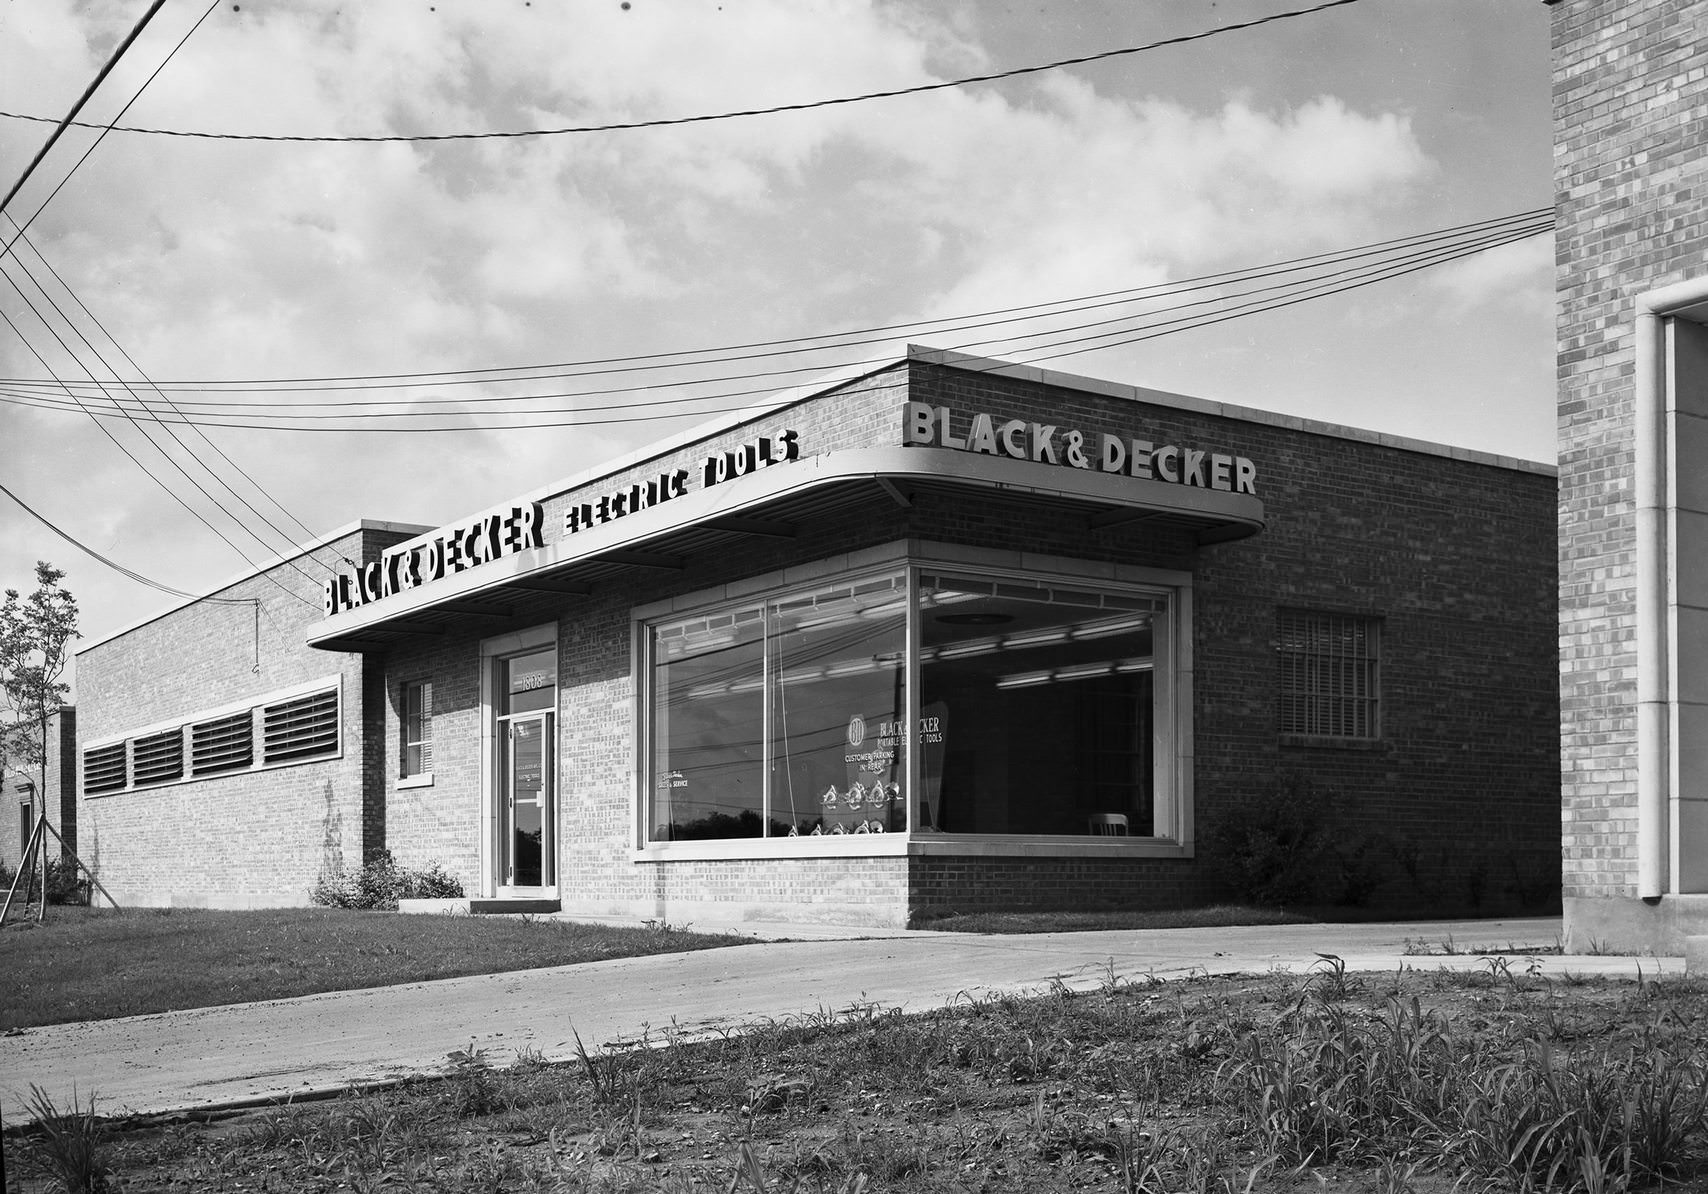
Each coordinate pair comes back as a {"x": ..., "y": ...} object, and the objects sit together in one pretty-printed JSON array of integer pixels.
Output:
[
  {"x": 1044, "y": 698},
  {"x": 781, "y": 718},
  {"x": 1044, "y": 707}
]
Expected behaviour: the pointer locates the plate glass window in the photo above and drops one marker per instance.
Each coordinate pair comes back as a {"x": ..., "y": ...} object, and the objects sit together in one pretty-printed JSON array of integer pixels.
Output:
[
  {"x": 1040, "y": 704},
  {"x": 1042, "y": 711},
  {"x": 781, "y": 719}
]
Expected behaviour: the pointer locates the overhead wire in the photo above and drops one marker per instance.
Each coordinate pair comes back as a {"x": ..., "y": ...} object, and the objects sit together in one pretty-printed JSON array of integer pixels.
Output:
[
  {"x": 797, "y": 345},
  {"x": 173, "y": 494},
  {"x": 22, "y": 230},
  {"x": 121, "y": 569},
  {"x": 668, "y": 122},
  {"x": 19, "y": 263},
  {"x": 1142, "y": 325}
]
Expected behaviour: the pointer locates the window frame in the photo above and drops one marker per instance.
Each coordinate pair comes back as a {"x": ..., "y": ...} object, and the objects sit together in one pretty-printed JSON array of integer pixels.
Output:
[
  {"x": 1172, "y": 728},
  {"x": 423, "y": 776}
]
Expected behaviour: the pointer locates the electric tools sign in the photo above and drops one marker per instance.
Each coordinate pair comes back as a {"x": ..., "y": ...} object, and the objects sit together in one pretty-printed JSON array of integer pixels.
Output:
[
  {"x": 465, "y": 545},
  {"x": 717, "y": 468},
  {"x": 455, "y": 548},
  {"x": 1047, "y": 443}
]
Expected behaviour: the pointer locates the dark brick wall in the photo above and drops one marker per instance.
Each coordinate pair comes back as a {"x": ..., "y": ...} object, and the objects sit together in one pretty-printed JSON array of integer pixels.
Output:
[
  {"x": 1630, "y": 122},
  {"x": 1459, "y": 796}
]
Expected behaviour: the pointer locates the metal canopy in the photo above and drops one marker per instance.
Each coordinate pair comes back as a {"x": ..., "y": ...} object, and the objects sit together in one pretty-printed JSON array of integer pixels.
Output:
[{"x": 770, "y": 505}]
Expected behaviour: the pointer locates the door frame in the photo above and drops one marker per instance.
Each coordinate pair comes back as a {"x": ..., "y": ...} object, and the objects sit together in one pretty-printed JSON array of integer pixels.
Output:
[
  {"x": 504, "y": 799},
  {"x": 493, "y": 651}
]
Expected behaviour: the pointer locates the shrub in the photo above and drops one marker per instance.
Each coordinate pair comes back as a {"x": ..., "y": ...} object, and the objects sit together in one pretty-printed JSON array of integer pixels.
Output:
[
  {"x": 380, "y": 884},
  {"x": 1292, "y": 845},
  {"x": 66, "y": 883}
]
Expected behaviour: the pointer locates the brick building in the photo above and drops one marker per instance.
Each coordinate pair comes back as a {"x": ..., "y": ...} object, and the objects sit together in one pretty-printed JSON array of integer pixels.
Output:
[
  {"x": 953, "y": 633},
  {"x": 21, "y": 790},
  {"x": 1630, "y": 110}
]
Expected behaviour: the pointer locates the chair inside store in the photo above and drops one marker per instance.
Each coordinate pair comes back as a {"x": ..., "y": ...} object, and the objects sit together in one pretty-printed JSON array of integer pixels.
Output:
[{"x": 1108, "y": 824}]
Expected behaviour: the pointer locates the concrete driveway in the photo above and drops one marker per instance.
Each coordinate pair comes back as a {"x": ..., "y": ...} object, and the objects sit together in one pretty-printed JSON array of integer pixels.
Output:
[{"x": 259, "y": 1051}]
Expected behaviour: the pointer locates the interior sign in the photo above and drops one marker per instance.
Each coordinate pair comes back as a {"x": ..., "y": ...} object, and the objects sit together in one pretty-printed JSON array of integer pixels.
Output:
[
  {"x": 1048, "y": 443},
  {"x": 455, "y": 548},
  {"x": 717, "y": 468}
]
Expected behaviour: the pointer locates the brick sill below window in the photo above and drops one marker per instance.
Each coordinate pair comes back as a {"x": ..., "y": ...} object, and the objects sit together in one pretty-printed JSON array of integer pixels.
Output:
[{"x": 1330, "y": 742}]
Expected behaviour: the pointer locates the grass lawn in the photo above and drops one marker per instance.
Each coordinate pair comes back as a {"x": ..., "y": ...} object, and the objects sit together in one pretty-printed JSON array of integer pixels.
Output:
[
  {"x": 1416, "y": 1082},
  {"x": 85, "y": 964}
]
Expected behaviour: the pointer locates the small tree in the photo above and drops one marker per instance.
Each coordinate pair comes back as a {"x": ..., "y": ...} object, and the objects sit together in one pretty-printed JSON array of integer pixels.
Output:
[{"x": 35, "y": 637}]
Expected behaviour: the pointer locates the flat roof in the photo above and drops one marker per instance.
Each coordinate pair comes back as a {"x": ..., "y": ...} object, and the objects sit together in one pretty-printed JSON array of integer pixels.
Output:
[{"x": 349, "y": 528}]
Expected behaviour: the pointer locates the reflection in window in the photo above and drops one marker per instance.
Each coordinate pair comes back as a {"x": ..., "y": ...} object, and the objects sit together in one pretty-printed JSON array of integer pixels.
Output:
[
  {"x": 1037, "y": 712},
  {"x": 708, "y": 702},
  {"x": 836, "y": 709},
  {"x": 782, "y": 719},
  {"x": 1044, "y": 700}
]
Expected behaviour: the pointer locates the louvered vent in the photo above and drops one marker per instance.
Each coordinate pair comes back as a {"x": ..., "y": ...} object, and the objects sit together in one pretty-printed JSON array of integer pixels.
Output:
[
  {"x": 158, "y": 758},
  {"x": 223, "y": 744},
  {"x": 104, "y": 769},
  {"x": 298, "y": 729}
]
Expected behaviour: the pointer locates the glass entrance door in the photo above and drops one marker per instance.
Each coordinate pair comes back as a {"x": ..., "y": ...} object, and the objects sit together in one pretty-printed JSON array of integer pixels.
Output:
[{"x": 525, "y": 804}]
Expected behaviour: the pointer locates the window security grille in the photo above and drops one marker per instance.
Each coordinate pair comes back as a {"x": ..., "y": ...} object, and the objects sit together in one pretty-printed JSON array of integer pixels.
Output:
[
  {"x": 1328, "y": 681},
  {"x": 300, "y": 729},
  {"x": 104, "y": 768},
  {"x": 158, "y": 758},
  {"x": 223, "y": 744}
]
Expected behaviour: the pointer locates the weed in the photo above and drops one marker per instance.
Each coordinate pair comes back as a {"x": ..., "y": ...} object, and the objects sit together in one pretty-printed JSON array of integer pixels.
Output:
[{"x": 67, "y": 1146}]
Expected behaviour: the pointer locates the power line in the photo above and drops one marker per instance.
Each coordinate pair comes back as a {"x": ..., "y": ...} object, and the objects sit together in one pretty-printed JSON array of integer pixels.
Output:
[
  {"x": 143, "y": 404},
  {"x": 271, "y": 388},
  {"x": 145, "y": 470},
  {"x": 114, "y": 564},
  {"x": 1309, "y": 289},
  {"x": 626, "y": 126},
  {"x": 71, "y": 116},
  {"x": 1148, "y": 323},
  {"x": 105, "y": 129}
]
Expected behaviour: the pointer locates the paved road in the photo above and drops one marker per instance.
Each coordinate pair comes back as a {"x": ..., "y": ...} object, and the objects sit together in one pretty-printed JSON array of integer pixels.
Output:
[{"x": 253, "y": 1051}]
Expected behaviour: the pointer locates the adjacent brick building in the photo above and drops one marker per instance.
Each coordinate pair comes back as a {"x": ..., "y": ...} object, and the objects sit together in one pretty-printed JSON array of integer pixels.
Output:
[
  {"x": 222, "y": 762},
  {"x": 952, "y": 634},
  {"x": 1630, "y": 114},
  {"x": 21, "y": 794}
]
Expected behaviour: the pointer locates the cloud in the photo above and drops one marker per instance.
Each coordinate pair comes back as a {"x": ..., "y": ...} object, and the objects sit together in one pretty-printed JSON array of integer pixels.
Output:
[
  {"x": 228, "y": 259},
  {"x": 1518, "y": 275}
]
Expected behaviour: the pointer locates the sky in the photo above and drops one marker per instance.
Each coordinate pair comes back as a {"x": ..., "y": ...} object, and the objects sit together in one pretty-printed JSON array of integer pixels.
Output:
[{"x": 194, "y": 262}]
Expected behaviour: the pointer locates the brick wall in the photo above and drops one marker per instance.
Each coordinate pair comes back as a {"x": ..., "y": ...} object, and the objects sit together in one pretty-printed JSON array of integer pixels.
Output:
[
  {"x": 251, "y": 838},
  {"x": 1630, "y": 100},
  {"x": 61, "y": 788},
  {"x": 1459, "y": 796}
]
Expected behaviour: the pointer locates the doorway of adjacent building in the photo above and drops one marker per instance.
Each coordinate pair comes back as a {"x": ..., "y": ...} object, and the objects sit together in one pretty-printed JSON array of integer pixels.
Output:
[{"x": 526, "y": 788}]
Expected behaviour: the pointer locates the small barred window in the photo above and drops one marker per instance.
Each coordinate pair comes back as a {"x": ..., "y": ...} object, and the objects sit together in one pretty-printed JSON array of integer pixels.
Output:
[{"x": 1329, "y": 674}]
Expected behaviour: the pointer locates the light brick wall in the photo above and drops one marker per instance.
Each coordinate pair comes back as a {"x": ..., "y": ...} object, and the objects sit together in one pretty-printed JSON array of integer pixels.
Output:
[
  {"x": 253, "y": 838},
  {"x": 1630, "y": 123}
]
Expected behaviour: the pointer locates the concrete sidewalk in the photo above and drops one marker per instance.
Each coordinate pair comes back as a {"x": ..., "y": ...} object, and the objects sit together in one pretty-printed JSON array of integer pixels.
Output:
[{"x": 273, "y": 1050}]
